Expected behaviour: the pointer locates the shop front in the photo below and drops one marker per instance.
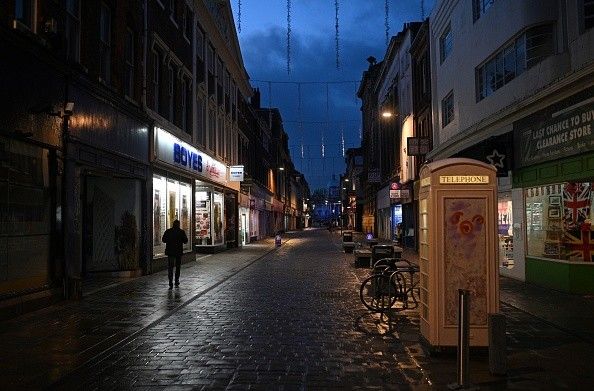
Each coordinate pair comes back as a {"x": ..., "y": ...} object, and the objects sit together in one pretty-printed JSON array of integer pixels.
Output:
[
  {"x": 553, "y": 184},
  {"x": 192, "y": 187},
  {"x": 383, "y": 217},
  {"x": 28, "y": 239}
]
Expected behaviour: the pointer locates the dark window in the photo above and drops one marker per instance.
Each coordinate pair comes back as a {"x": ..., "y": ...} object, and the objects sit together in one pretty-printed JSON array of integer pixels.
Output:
[
  {"x": 24, "y": 12},
  {"x": 523, "y": 52},
  {"x": 183, "y": 96},
  {"x": 201, "y": 121},
  {"x": 105, "y": 43},
  {"x": 156, "y": 81},
  {"x": 447, "y": 109},
  {"x": 211, "y": 70},
  {"x": 72, "y": 30},
  {"x": 588, "y": 14},
  {"x": 445, "y": 44},
  {"x": 171, "y": 93},
  {"x": 479, "y": 7},
  {"x": 188, "y": 23},
  {"x": 129, "y": 67}
]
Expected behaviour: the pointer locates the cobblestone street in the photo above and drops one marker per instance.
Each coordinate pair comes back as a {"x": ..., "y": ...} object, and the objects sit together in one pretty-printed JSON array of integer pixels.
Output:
[{"x": 265, "y": 318}]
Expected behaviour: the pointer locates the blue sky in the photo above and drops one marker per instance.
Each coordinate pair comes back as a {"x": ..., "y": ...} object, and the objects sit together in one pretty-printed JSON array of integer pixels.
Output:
[{"x": 327, "y": 109}]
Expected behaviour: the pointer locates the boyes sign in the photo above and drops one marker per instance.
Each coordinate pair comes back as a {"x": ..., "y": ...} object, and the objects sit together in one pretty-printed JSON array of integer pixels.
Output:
[{"x": 173, "y": 151}]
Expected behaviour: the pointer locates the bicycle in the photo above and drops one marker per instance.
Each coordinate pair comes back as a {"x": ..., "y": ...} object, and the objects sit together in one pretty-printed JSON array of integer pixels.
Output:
[{"x": 392, "y": 281}]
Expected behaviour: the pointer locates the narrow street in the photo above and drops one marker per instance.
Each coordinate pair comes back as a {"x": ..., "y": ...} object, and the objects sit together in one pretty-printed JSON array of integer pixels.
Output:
[{"x": 268, "y": 318}]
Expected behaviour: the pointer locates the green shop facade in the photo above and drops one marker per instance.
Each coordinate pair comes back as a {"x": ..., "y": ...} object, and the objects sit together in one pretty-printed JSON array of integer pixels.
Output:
[{"x": 553, "y": 179}]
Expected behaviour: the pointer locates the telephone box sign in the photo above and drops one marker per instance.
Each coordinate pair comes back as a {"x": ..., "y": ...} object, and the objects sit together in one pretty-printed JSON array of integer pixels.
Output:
[
  {"x": 463, "y": 179},
  {"x": 171, "y": 150}
]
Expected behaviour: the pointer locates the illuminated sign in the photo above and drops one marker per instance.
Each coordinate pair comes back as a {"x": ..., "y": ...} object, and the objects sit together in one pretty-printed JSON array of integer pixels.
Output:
[
  {"x": 236, "y": 173},
  {"x": 463, "y": 179},
  {"x": 171, "y": 150}
]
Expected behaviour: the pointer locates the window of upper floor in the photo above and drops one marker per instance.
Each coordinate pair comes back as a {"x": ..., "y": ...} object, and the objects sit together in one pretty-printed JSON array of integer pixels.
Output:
[
  {"x": 173, "y": 11},
  {"x": 479, "y": 7},
  {"x": 187, "y": 23},
  {"x": 445, "y": 44},
  {"x": 447, "y": 109},
  {"x": 521, "y": 53},
  {"x": 24, "y": 13},
  {"x": 105, "y": 43},
  {"x": 587, "y": 12},
  {"x": 129, "y": 58},
  {"x": 72, "y": 30}
]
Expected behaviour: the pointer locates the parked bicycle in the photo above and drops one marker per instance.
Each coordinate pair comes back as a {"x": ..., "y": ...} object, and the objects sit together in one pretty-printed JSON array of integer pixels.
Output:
[{"x": 392, "y": 282}]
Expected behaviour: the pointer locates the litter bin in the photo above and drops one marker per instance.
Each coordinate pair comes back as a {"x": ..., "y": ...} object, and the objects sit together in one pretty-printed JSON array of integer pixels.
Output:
[
  {"x": 347, "y": 236},
  {"x": 380, "y": 251}
]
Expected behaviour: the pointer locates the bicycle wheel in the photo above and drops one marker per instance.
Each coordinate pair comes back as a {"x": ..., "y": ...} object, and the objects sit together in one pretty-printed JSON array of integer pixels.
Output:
[{"x": 378, "y": 293}]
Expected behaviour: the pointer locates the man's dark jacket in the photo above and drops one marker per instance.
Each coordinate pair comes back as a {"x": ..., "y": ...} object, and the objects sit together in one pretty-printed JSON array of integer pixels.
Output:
[{"x": 174, "y": 238}]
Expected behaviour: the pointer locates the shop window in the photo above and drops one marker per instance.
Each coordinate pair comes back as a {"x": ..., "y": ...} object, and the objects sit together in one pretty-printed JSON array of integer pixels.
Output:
[
  {"x": 172, "y": 200},
  {"x": 208, "y": 215},
  {"x": 558, "y": 221},
  {"x": 588, "y": 14},
  {"x": 505, "y": 231},
  {"x": 111, "y": 227},
  {"x": 25, "y": 223}
]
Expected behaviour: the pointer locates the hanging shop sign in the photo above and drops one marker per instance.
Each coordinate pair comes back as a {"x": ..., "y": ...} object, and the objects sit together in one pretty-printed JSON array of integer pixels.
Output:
[
  {"x": 373, "y": 175},
  {"x": 555, "y": 134},
  {"x": 236, "y": 173},
  {"x": 417, "y": 146},
  {"x": 171, "y": 150}
]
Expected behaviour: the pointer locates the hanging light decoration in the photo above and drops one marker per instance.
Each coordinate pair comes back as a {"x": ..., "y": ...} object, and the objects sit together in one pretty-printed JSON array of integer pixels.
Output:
[
  {"x": 239, "y": 16},
  {"x": 299, "y": 118},
  {"x": 336, "y": 38},
  {"x": 422, "y": 10},
  {"x": 288, "y": 36},
  {"x": 342, "y": 140},
  {"x": 386, "y": 24}
]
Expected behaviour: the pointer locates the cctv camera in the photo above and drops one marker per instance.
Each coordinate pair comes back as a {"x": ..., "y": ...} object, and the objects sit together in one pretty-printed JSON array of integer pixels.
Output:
[{"x": 68, "y": 108}]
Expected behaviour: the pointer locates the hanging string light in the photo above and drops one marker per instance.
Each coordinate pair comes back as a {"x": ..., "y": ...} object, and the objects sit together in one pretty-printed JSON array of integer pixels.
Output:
[
  {"x": 386, "y": 24},
  {"x": 288, "y": 36},
  {"x": 299, "y": 118},
  {"x": 422, "y": 10},
  {"x": 239, "y": 16},
  {"x": 342, "y": 140},
  {"x": 336, "y": 38}
]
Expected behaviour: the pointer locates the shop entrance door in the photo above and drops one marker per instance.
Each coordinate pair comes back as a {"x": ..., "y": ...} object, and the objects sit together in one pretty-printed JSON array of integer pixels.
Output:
[
  {"x": 244, "y": 230},
  {"x": 111, "y": 224}
]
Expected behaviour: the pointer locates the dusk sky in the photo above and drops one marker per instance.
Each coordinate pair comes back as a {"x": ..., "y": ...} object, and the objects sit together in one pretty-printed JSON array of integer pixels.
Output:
[{"x": 362, "y": 33}]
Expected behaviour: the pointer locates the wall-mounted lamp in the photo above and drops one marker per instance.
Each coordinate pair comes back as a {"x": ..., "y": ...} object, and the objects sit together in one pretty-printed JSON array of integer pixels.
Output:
[
  {"x": 346, "y": 179},
  {"x": 387, "y": 114},
  {"x": 281, "y": 169}
]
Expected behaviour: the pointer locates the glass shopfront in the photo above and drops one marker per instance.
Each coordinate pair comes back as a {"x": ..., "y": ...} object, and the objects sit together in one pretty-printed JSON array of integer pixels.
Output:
[
  {"x": 209, "y": 212},
  {"x": 172, "y": 200},
  {"x": 559, "y": 221},
  {"x": 25, "y": 216},
  {"x": 505, "y": 231}
]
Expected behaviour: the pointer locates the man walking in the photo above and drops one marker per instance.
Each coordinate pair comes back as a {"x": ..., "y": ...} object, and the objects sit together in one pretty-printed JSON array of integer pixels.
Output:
[{"x": 174, "y": 238}]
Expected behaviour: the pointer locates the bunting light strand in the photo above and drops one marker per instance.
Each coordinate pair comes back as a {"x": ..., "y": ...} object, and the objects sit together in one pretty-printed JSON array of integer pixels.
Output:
[
  {"x": 386, "y": 24},
  {"x": 337, "y": 35},
  {"x": 422, "y": 10},
  {"x": 288, "y": 36},
  {"x": 239, "y": 16}
]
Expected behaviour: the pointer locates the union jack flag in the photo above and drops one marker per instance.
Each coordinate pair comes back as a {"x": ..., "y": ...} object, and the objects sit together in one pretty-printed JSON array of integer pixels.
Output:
[
  {"x": 576, "y": 204},
  {"x": 580, "y": 244}
]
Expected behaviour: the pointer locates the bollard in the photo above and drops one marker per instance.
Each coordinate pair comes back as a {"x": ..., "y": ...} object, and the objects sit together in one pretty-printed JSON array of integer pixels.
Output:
[
  {"x": 463, "y": 352},
  {"x": 497, "y": 345},
  {"x": 463, "y": 336}
]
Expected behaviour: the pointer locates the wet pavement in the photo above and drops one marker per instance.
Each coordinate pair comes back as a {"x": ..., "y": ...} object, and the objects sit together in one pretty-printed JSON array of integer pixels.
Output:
[{"x": 284, "y": 318}]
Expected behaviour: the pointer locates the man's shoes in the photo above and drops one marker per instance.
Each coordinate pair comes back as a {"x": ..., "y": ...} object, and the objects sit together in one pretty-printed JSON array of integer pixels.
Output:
[
  {"x": 170, "y": 286},
  {"x": 177, "y": 283}
]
